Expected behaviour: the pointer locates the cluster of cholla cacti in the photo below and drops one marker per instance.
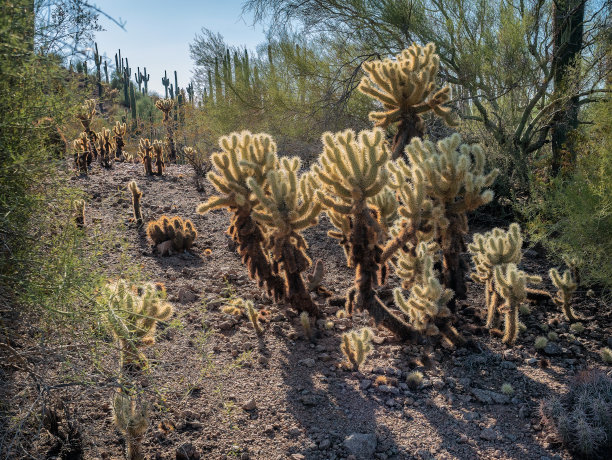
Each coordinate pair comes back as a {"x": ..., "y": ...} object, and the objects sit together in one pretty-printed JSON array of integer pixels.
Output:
[
  {"x": 172, "y": 234},
  {"x": 401, "y": 207},
  {"x": 133, "y": 314}
]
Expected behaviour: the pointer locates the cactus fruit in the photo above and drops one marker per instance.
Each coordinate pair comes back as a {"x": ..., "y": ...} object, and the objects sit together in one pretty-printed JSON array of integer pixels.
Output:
[
  {"x": 566, "y": 287},
  {"x": 352, "y": 169},
  {"x": 356, "y": 346},
  {"x": 406, "y": 88},
  {"x": 130, "y": 415},
  {"x": 158, "y": 149},
  {"x": 180, "y": 232},
  {"x": 144, "y": 150},
  {"x": 511, "y": 284},
  {"x": 285, "y": 207},
  {"x": 456, "y": 182},
  {"x": 253, "y": 316},
  {"x": 119, "y": 131},
  {"x": 79, "y": 210},
  {"x": 489, "y": 250},
  {"x": 243, "y": 156},
  {"x": 306, "y": 326},
  {"x": 136, "y": 195}
]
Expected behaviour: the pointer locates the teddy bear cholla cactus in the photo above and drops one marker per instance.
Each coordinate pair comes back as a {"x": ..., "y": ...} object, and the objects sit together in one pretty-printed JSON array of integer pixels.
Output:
[
  {"x": 82, "y": 153},
  {"x": 158, "y": 149},
  {"x": 288, "y": 208},
  {"x": 119, "y": 131},
  {"x": 511, "y": 284},
  {"x": 245, "y": 156},
  {"x": 454, "y": 179},
  {"x": 427, "y": 304},
  {"x": 352, "y": 169},
  {"x": 166, "y": 106},
  {"x": 566, "y": 287},
  {"x": 85, "y": 115},
  {"x": 172, "y": 233},
  {"x": 406, "y": 88},
  {"x": 105, "y": 147},
  {"x": 496, "y": 248},
  {"x": 356, "y": 345},
  {"x": 136, "y": 196},
  {"x": 133, "y": 314},
  {"x": 144, "y": 150}
]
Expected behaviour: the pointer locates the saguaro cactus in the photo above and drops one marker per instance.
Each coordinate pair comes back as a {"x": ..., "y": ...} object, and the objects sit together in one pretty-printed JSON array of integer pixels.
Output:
[
  {"x": 289, "y": 208},
  {"x": 352, "y": 169},
  {"x": 511, "y": 284},
  {"x": 406, "y": 88},
  {"x": 243, "y": 156},
  {"x": 166, "y": 82},
  {"x": 456, "y": 182}
]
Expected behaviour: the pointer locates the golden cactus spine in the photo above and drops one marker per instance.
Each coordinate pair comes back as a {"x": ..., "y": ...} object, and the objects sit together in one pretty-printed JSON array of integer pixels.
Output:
[
  {"x": 352, "y": 169},
  {"x": 406, "y": 88},
  {"x": 286, "y": 205},
  {"x": 245, "y": 155},
  {"x": 136, "y": 196}
]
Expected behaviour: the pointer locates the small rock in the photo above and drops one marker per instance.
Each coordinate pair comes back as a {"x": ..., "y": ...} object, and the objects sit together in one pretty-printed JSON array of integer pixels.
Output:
[
  {"x": 164, "y": 248},
  {"x": 365, "y": 384},
  {"x": 186, "y": 295},
  {"x": 508, "y": 365},
  {"x": 324, "y": 444},
  {"x": 488, "y": 434},
  {"x": 361, "y": 445},
  {"x": 187, "y": 452},
  {"x": 552, "y": 348},
  {"x": 250, "y": 404},
  {"x": 309, "y": 400},
  {"x": 308, "y": 362}
]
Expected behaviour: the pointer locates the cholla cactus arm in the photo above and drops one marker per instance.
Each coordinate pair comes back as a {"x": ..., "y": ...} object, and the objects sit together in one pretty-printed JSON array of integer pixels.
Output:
[
  {"x": 288, "y": 208},
  {"x": 511, "y": 284},
  {"x": 144, "y": 151},
  {"x": 85, "y": 115},
  {"x": 245, "y": 156},
  {"x": 136, "y": 196},
  {"x": 406, "y": 88},
  {"x": 158, "y": 149},
  {"x": 385, "y": 204},
  {"x": 566, "y": 287}
]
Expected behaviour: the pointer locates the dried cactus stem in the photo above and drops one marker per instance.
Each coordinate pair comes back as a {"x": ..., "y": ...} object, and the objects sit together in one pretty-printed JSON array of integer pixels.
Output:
[
  {"x": 492, "y": 301},
  {"x": 248, "y": 238},
  {"x": 136, "y": 196},
  {"x": 511, "y": 323},
  {"x": 454, "y": 268}
]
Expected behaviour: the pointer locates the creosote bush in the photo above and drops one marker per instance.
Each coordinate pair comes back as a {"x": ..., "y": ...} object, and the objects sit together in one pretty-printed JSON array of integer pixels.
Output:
[{"x": 181, "y": 233}]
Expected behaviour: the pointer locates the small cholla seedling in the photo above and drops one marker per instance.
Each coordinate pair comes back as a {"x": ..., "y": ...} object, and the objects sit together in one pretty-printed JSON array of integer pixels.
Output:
[
  {"x": 119, "y": 131},
  {"x": 253, "y": 316},
  {"x": 566, "y": 287},
  {"x": 496, "y": 248},
  {"x": 144, "y": 150},
  {"x": 356, "y": 346},
  {"x": 133, "y": 314},
  {"x": 130, "y": 415},
  {"x": 181, "y": 233},
  {"x": 406, "y": 88},
  {"x": 158, "y": 149},
  {"x": 511, "y": 284},
  {"x": 524, "y": 309},
  {"x": 306, "y": 326},
  {"x": 606, "y": 355},
  {"x": 540, "y": 343},
  {"x": 136, "y": 195},
  {"x": 232, "y": 309},
  {"x": 553, "y": 336},
  {"x": 581, "y": 418},
  {"x": 577, "y": 328},
  {"x": 414, "y": 380},
  {"x": 79, "y": 209},
  {"x": 507, "y": 389}
]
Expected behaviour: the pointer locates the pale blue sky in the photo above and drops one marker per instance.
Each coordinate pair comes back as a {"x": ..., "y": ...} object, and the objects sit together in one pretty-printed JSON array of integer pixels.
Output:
[{"x": 158, "y": 33}]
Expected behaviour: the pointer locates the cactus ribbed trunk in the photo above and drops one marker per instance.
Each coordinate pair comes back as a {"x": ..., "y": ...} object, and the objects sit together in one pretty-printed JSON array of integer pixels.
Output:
[
  {"x": 454, "y": 268},
  {"x": 511, "y": 323},
  {"x": 249, "y": 239},
  {"x": 492, "y": 300},
  {"x": 366, "y": 259}
]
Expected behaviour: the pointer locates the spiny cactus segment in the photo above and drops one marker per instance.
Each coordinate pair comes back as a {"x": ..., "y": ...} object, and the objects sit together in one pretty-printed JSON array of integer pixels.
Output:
[
  {"x": 144, "y": 150},
  {"x": 158, "y": 149},
  {"x": 136, "y": 196},
  {"x": 356, "y": 345},
  {"x": 406, "y": 88},
  {"x": 130, "y": 414},
  {"x": 119, "y": 131},
  {"x": 105, "y": 147},
  {"x": 172, "y": 233}
]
